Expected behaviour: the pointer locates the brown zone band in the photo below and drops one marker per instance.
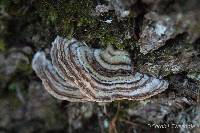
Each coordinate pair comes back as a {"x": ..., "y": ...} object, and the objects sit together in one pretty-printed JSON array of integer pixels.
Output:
[
  {"x": 88, "y": 60},
  {"x": 41, "y": 73},
  {"x": 103, "y": 71},
  {"x": 57, "y": 65},
  {"x": 49, "y": 74},
  {"x": 69, "y": 96},
  {"x": 136, "y": 97},
  {"x": 102, "y": 89},
  {"x": 66, "y": 59},
  {"x": 92, "y": 85},
  {"x": 55, "y": 52}
]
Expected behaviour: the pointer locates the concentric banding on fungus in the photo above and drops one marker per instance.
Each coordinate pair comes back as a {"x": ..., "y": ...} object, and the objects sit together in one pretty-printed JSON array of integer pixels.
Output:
[
  {"x": 53, "y": 82},
  {"x": 80, "y": 73}
]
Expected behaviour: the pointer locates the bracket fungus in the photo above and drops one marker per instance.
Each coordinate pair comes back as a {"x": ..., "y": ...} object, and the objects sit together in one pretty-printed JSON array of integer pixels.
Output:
[{"x": 78, "y": 73}]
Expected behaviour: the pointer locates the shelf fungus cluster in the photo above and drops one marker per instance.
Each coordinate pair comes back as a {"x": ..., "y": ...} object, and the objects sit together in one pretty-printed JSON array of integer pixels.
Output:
[{"x": 79, "y": 73}]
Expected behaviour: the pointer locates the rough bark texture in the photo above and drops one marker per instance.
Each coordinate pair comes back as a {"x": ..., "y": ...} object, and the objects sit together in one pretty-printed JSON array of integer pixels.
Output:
[{"x": 162, "y": 36}]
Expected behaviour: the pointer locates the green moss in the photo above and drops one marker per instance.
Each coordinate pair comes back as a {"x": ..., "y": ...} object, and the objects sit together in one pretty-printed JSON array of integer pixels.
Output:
[
  {"x": 12, "y": 98},
  {"x": 2, "y": 45},
  {"x": 13, "y": 86},
  {"x": 3, "y": 2},
  {"x": 64, "y": 15},
  {"x": 108, "y": 39},
  {"x": 52, "y": 16},
  {"x": 24, "y": 68},
  {"x": 14, "y": 102},
  {"x": 73, "y": 18},
  {"x": 85, "y": 21}
]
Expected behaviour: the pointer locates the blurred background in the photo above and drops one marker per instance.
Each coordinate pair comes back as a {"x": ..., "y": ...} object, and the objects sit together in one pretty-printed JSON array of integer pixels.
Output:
[{"x": 162, "y": 36}]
